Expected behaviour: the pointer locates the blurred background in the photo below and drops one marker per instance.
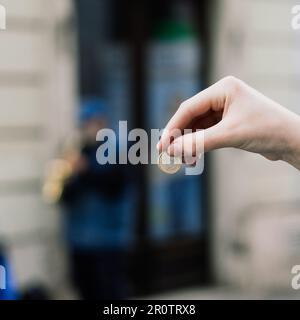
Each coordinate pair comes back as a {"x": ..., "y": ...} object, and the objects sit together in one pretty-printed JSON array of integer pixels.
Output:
[{"x": 71, "y": 229}]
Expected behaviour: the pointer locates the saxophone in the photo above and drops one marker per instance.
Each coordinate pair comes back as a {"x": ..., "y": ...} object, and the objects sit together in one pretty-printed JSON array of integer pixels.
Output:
[{"x": 58, "y": 171}]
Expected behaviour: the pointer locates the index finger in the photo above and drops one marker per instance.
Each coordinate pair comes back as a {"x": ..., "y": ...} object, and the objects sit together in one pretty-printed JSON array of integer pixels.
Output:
[{"x": 194, "y": 107}]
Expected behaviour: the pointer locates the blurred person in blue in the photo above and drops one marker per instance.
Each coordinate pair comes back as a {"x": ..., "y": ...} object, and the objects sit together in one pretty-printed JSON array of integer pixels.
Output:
[{"x": 98, "y": 212}]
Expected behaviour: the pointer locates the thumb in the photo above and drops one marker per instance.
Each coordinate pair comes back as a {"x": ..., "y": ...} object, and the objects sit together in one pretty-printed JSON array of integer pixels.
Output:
[
  {"x": 192, "y": 145},
  {"x": 215, "y": 137}
]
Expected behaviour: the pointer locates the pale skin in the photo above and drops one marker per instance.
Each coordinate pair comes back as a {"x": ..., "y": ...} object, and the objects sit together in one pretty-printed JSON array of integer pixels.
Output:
[{"x": 232, "y": 114}]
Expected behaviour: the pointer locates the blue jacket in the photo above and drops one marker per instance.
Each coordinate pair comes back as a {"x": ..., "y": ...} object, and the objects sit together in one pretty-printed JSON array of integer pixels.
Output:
[{"x": 98, "y": 206}]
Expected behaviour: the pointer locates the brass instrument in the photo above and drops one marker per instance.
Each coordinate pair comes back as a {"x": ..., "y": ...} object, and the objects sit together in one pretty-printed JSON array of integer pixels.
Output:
[{"x": 58, "y": 171}]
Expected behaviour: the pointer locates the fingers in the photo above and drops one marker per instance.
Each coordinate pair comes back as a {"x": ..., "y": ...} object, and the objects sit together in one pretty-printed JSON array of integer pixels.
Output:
[
  {"x": 191, "y": 146},
  {"x": 210, "y": 98}
]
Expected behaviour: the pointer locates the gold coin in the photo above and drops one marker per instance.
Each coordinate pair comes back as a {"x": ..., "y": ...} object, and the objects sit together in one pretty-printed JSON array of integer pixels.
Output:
[{"x": 167, "y": 164}]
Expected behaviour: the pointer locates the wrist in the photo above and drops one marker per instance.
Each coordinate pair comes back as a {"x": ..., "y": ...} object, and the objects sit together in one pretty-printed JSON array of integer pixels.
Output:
[{"x": 292, "y": 138}]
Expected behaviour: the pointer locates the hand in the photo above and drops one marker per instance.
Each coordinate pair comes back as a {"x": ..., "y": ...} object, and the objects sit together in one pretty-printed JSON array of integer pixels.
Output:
[
  {"x": 77, "y": 162},
  {"x": 233, "y": 114}
]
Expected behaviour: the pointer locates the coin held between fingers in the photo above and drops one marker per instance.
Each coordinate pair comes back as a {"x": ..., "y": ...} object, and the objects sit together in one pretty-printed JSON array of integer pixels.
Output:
[{"x": 169, "y": 165}]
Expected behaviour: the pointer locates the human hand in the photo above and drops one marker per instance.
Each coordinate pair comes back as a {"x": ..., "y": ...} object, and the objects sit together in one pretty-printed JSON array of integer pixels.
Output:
[
  {"x": 232, "y": 114},
  {"x": 77, "y": 162}
]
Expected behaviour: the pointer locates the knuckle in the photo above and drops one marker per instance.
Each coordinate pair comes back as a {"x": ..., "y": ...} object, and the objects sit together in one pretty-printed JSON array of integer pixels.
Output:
[
  {"x": 183, "y": 105},
  {"x": 186, "y": 108},
  {"x": 232, "y": 83}
]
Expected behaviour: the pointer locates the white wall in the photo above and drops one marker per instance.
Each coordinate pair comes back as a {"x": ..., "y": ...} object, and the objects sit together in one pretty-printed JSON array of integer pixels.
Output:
[
  {"x": 255, "y": 42},
  {"x": 37, "y": 103}
]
